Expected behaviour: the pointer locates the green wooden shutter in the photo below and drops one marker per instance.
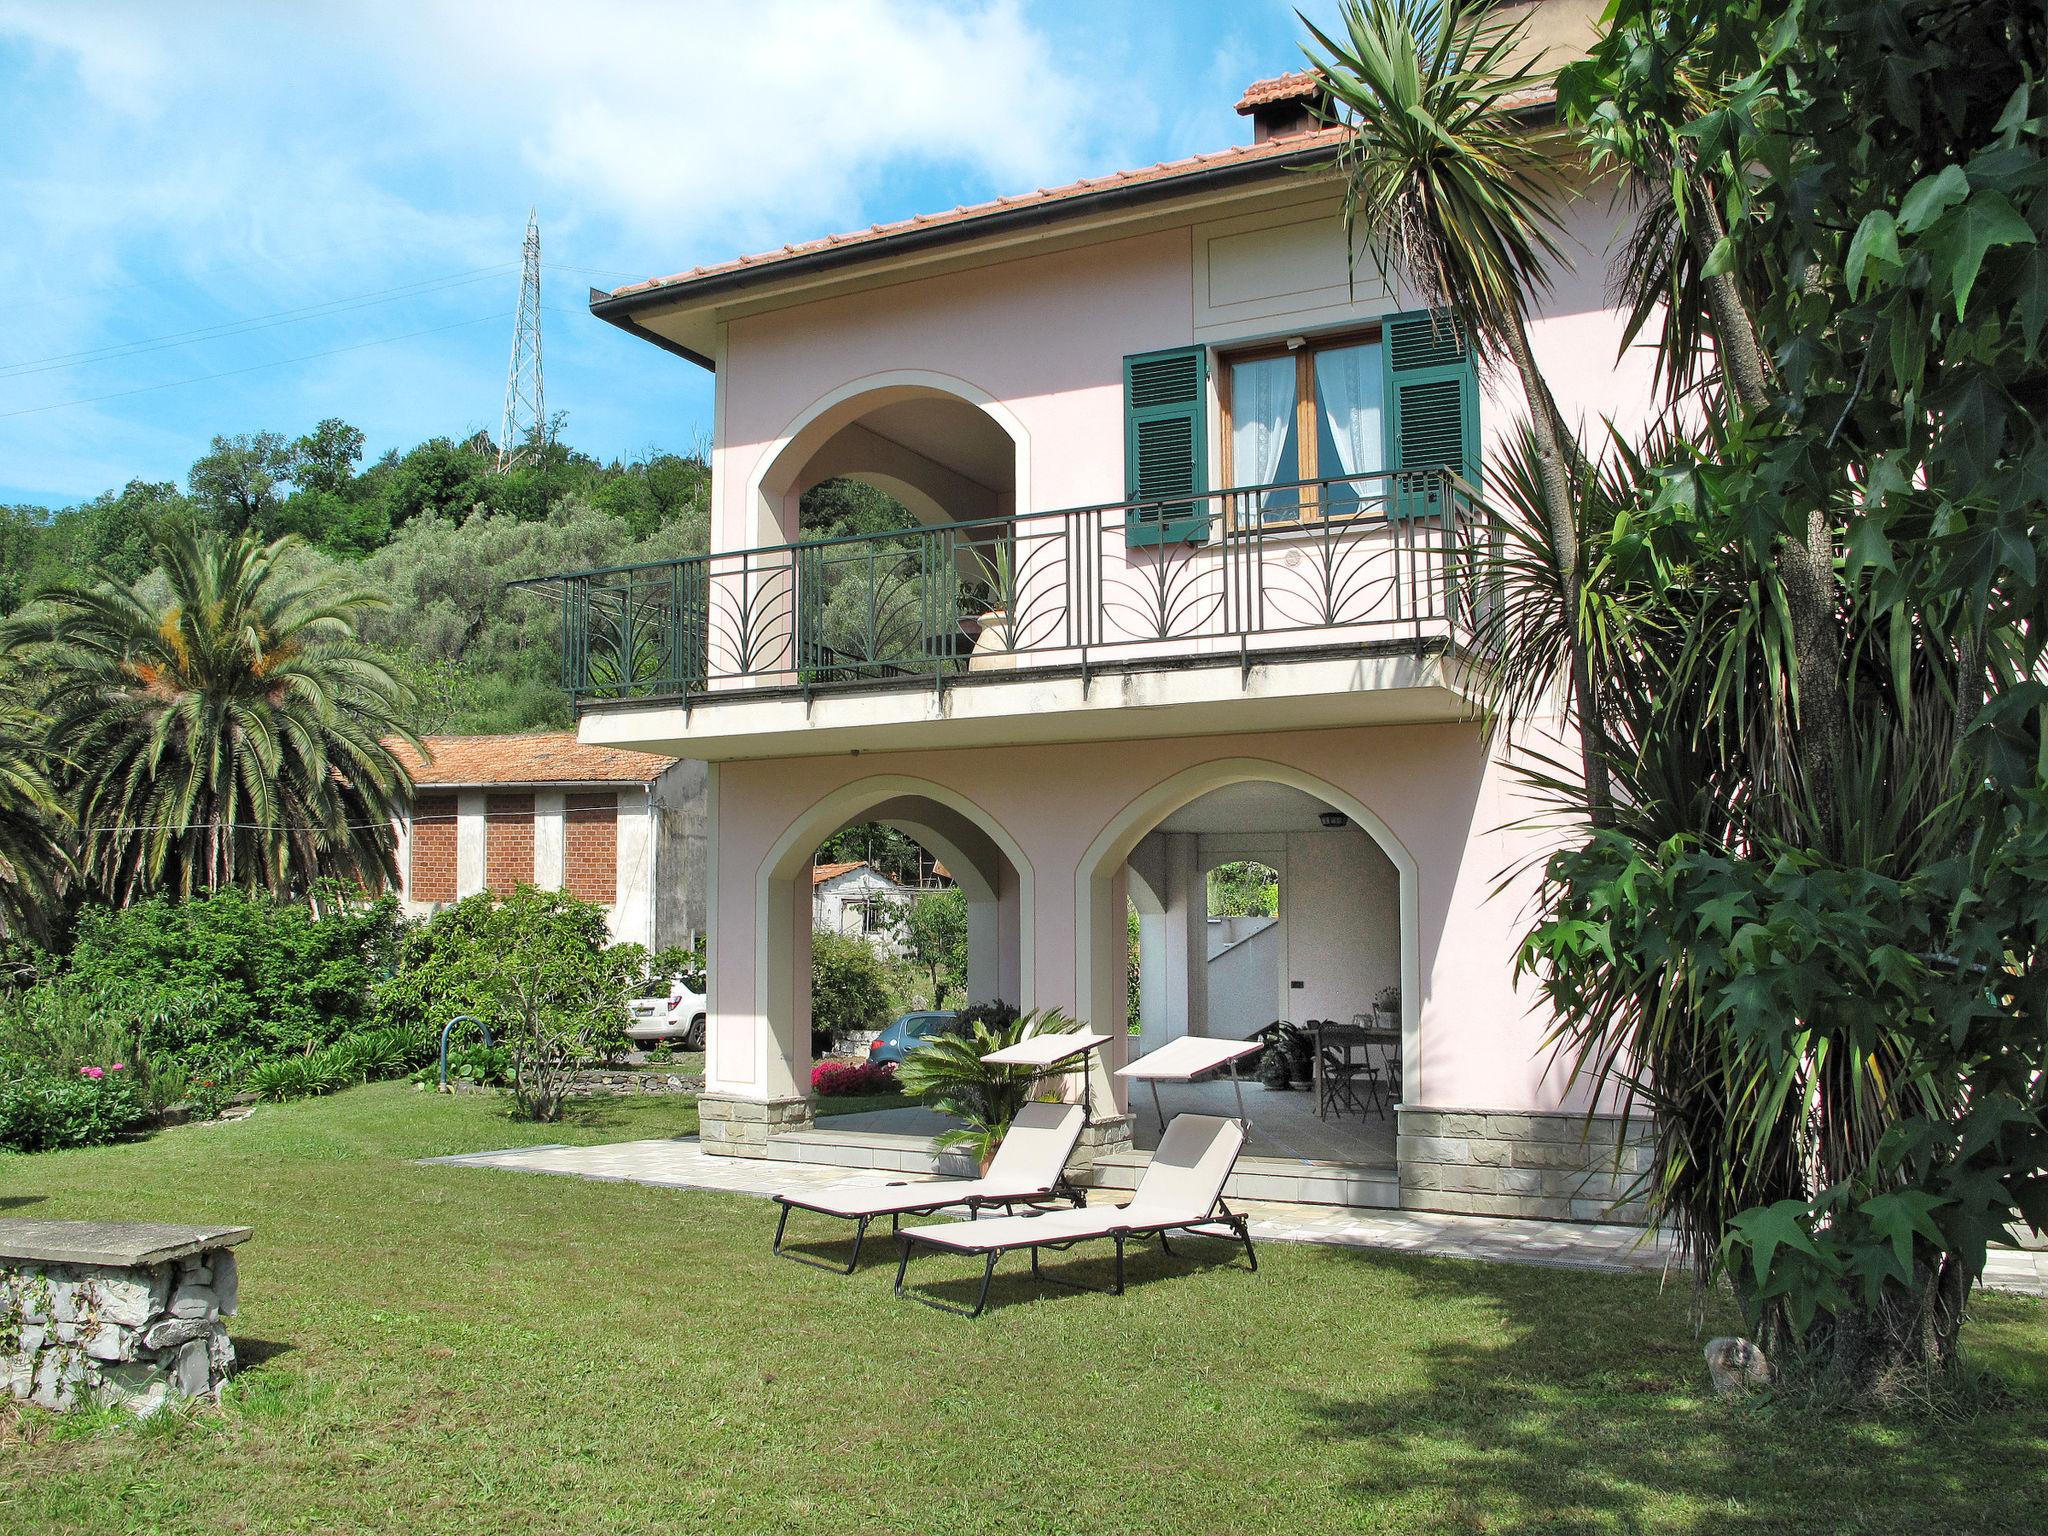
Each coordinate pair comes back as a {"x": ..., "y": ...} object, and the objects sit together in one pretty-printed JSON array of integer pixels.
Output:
[
  {"x": 1432, "y": 404},
  {"x": 1166, "y": 445}
]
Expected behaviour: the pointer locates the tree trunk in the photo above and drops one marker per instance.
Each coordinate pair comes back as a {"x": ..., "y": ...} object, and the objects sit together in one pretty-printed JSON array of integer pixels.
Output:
[
  {"x": 1555, "y": 477},
  {"x": 1806, "y": 565},
  {"x": 1741, "y": 356}
]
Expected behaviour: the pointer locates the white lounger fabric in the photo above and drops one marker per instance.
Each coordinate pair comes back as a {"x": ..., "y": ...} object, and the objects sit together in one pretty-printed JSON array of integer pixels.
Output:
[
  {"x": 1027, "y": 1165},
  {"x": 1180, "y": 1187}
]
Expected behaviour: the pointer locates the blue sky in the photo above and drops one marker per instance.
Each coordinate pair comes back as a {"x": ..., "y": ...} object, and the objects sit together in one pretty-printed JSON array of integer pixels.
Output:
[{"x": 231, "y": 218}]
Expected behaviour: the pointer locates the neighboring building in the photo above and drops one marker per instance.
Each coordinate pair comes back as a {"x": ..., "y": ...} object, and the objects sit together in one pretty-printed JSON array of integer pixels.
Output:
[
  {"x": 621, "y": 828},
  {"x": 859, "y": 900},
  {"x": 1180, "y": 588}
]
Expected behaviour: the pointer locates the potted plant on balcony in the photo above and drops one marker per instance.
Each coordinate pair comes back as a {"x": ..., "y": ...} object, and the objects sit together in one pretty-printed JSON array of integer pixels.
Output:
[{"x": 991, "y": 602}]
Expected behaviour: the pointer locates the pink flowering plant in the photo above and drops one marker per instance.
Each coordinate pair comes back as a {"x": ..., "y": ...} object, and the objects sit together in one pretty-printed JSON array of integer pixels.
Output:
[{"x": 839, "y": 1079}]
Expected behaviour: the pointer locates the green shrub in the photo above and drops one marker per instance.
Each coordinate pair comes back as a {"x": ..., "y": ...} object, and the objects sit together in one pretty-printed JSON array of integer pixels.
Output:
[
  {"x": 457, "y": 962},
  {"x": 41, "y": 1108},
  {"x": 288, "y": 1077},
  {"x": 239, "y": 974},
  {"x": 849, "y": 985},
  {"x": 537, "y": 968},
  {"x": 66, "y": 1027},
  {"x": 473, "y": 1062}
]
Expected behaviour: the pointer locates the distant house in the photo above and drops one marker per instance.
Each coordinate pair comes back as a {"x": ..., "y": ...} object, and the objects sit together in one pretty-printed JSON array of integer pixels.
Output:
[
  {"x": 859, "y": 900},
  {"x": 621, "y": 828}
]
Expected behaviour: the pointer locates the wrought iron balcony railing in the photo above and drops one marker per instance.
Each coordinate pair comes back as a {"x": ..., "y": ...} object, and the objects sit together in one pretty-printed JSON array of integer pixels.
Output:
[{"x": 1236, "y": 573}]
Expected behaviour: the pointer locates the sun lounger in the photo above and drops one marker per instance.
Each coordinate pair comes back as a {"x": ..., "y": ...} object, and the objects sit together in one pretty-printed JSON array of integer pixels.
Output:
[
  {"x": 1029, "y": 1168},
  {"x": 1181, "y": 1190}
]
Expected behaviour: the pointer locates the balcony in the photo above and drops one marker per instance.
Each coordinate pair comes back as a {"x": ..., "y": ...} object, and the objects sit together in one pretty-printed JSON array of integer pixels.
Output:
[{"x": 1354, "y": 585}]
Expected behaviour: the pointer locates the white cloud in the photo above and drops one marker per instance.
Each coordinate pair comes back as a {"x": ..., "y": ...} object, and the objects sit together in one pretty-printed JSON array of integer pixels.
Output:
[
  {"x": 175, "y": 167},
  {"x": 692, "y": 121}
]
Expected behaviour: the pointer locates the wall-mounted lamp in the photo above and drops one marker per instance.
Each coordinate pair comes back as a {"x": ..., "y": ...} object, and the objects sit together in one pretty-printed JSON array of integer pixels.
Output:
[{"x": 1332, "y": 819}]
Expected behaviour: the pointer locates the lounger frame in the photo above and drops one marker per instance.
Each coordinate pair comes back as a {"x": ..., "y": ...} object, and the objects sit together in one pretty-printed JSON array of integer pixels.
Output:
[
  {"x": 1233, "y": 1226},
  {"x": 1063, "y": 1188}
]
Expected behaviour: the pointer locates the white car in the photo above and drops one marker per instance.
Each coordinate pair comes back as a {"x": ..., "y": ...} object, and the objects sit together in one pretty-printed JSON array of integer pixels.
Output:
[{"x": 677, "y": 1018}]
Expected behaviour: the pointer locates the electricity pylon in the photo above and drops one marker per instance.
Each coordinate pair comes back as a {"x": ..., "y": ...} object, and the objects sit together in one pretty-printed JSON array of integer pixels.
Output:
[{"x": 526, "y": 408}]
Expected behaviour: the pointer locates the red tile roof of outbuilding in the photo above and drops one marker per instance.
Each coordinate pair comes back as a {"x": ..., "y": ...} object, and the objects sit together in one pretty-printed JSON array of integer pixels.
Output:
[{"x": 544, "y": 757}]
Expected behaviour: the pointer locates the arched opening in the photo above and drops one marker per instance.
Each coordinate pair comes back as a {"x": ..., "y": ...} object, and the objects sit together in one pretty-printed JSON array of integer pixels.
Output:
[
  {"x": 931, "y": 841},
  {"x": 946, "y": 450},
  {"x": 896, "y": 493},
  {"x": 1281, "y": 898}
]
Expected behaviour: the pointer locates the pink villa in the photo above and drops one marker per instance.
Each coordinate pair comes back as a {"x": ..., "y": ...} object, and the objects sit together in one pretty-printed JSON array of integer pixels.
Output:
[{"x": 1178, "y": 589}]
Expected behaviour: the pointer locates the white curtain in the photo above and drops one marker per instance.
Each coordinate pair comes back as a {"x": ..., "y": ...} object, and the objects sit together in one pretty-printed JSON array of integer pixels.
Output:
[
  {"x": 1261, "y": 409},
  {"x": 1348, "y": 387}
]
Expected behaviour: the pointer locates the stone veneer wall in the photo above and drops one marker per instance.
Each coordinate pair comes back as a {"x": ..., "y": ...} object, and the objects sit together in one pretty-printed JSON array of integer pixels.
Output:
[
  {"x": 736, "y": 1127},
  {"x": 1103, "y": 1136},
  {"x": 136, "y": 1335},
  {"x": 1550, "y": 1166}
]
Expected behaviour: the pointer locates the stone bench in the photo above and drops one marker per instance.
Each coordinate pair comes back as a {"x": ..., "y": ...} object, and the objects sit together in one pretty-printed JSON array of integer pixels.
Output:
[{"x": 127, "y": 1312}]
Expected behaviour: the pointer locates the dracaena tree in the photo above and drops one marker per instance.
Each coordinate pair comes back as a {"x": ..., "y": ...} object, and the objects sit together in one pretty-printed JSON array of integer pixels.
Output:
[
  {"x": 1451, "y": 188},
  {"x": 218, "y": 723},
  {"x": 1810, "y": 932}
]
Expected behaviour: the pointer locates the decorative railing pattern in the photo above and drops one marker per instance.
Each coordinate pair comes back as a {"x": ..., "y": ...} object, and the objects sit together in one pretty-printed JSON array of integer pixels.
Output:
[{"x": 1237, "y": 572}]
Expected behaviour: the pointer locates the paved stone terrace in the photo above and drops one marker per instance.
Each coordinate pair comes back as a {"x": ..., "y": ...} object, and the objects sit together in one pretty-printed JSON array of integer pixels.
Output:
[{"x": 680, "y": 1164}]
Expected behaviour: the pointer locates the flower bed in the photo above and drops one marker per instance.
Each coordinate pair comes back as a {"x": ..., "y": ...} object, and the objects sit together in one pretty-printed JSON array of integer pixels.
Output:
[{"x": 840, "y": 1079}]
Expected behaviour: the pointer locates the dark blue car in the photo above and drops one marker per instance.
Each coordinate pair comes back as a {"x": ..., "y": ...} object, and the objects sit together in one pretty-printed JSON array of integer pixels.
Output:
[{"x": 907, "y": 1033}]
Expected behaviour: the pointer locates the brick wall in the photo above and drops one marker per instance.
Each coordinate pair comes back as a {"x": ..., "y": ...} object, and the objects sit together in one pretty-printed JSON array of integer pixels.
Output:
[
  {"x": 432, "y": 876},
  {"x": 508, "y": 842},
  {"x": 590, "y": 846}
]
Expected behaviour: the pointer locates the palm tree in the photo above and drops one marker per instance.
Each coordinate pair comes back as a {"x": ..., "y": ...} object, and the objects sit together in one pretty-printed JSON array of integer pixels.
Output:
[
  {"x": 230, "y": 732},
  {"x": 1452, "y": 193},
  {"x": 948, "y": 1073},
  {"x": 33, "y": 861}
]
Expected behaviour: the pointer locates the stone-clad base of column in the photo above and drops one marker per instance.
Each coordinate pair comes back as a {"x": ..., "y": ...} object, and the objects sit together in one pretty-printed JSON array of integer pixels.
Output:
[
  {"x": 730, "y": 1126},
  {"x": 1555, "y": 1167},
  {"x": 1104, "y": 1136}
]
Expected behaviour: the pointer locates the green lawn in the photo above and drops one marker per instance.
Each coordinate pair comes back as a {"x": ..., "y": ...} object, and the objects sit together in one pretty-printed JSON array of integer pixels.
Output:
[{"x": 444, "y": 1349}]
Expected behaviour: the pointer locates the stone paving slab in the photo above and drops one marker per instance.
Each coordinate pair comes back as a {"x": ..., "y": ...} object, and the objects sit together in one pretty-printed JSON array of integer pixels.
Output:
[{"x": 679, "y": 1163}]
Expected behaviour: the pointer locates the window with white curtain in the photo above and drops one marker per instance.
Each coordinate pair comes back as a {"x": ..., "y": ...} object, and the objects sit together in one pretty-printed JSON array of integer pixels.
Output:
[{"x": 1311, "y": 413}]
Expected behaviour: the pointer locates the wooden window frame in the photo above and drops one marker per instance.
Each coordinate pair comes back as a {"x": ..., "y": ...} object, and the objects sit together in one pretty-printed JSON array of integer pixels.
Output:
[{"x": 1305, "y": 433}]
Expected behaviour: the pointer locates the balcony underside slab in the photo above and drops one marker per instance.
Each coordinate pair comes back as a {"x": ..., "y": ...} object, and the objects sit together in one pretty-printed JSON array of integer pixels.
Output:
[{"x": 1386, "y": 684}]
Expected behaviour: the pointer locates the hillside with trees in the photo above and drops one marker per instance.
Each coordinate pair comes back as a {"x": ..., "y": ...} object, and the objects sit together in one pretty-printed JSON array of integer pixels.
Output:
[{"x": 433, "y": 529}]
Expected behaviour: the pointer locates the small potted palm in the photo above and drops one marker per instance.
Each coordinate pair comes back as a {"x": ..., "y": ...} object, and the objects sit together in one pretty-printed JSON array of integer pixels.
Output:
[{"x": 947, "y": 1073}]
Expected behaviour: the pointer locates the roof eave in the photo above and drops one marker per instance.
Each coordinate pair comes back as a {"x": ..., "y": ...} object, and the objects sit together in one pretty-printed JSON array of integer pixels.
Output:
[
  {"x": 613, "y": 312},
  {"x": 620, "y": 309}
]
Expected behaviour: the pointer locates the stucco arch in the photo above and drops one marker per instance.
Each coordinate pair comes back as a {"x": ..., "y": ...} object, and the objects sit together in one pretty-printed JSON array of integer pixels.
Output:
[
  {"x": 1099, "y": 919},
  {"x": 783, "y": 468},
  {"x": 782, "y": 908}
]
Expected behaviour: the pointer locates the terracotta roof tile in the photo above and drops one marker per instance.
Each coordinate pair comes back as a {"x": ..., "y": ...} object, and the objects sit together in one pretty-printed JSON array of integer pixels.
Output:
[
  {"x": 820, "y": 873},
  {"x": 1299, "y": 86},
  {"x": 546, "y": 757}
]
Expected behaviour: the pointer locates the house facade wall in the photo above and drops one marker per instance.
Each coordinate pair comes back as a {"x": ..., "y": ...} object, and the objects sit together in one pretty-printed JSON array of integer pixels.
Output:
[
  {"x": 836, "y": 905},
  {"x": 637, "y": 850},
  {"x": 1439, "y": 794},
  {"x": 1040, "y": 341}
]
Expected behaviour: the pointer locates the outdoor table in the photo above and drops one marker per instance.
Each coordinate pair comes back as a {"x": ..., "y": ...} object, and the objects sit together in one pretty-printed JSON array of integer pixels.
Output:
[
  {"x": 1050, "y": 1052},
  {"x": 1184, "y": 1060},
  {"x": 1345, "y": 1037}
]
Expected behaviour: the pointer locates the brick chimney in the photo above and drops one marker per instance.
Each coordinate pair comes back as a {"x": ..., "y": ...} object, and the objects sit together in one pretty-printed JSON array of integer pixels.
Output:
[{"x": 1284, "y": 105}]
